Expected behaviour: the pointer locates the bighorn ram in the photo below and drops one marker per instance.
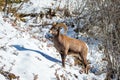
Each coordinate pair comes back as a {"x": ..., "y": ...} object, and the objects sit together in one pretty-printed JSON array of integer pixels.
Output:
[{"x": 66, "y": 45}]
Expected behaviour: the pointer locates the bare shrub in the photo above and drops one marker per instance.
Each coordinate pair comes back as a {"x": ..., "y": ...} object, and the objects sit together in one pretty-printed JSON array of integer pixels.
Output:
[{"x": 105, "y": 15}]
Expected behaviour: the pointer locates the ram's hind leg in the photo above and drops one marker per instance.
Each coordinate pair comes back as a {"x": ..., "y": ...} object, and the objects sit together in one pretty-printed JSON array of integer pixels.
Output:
[
  {"x": 86, "y": 65},
  {"x": 84, "y": 60}
]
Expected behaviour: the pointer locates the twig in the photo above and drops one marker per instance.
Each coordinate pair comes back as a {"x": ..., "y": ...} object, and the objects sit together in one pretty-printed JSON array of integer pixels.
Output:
[
  {"x": 5, "y": 6},
  {"x": 18, "y": 8}
]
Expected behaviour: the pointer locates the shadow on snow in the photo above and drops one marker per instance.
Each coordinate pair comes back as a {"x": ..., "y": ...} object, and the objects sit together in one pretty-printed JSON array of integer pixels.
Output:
[{"x": 20, "y": 48}]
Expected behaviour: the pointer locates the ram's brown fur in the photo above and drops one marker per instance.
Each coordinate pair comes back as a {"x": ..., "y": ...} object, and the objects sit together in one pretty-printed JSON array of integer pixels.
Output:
[{"x": 66, "y": 45}]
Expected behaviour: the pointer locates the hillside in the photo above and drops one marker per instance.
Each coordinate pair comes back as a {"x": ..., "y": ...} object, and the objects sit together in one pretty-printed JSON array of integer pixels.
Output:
[{"x": 26, "y": 54}]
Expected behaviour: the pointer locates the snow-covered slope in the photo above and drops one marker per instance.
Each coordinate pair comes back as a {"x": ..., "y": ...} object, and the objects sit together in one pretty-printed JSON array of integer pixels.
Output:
[
  {"x": 31, "y": 58},
  {"x": 24, "y": 55}
]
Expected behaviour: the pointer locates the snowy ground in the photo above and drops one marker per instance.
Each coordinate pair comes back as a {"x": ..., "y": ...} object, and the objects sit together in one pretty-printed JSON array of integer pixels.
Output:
[{"x": 31, "y": 58}]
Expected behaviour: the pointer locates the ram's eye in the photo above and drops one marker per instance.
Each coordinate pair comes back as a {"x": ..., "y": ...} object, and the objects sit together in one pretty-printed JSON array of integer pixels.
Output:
[{"x": 55, "y": 28}]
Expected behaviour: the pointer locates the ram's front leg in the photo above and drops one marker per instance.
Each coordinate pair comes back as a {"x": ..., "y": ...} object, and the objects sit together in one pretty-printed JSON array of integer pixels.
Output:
[{"x": 63, "y": 56}]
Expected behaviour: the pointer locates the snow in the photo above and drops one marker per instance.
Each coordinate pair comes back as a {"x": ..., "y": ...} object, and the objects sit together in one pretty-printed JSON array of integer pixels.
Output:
[
  {"x": 2, "y": 77},
  {"x": 26, "y": 56},
  {"x": 35, "y": 6}
]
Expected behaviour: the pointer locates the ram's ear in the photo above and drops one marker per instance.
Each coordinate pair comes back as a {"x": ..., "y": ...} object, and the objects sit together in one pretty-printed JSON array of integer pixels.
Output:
[{"x": 54, "y": 24}]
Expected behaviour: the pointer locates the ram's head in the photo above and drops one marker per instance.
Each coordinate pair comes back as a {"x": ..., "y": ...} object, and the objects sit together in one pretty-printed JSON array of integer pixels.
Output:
[{"x": 55, "y": 29}]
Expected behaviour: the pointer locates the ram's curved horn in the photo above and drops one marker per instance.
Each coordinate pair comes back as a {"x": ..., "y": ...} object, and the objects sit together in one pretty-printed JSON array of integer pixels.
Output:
[{"x": 61, "y": 25}]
